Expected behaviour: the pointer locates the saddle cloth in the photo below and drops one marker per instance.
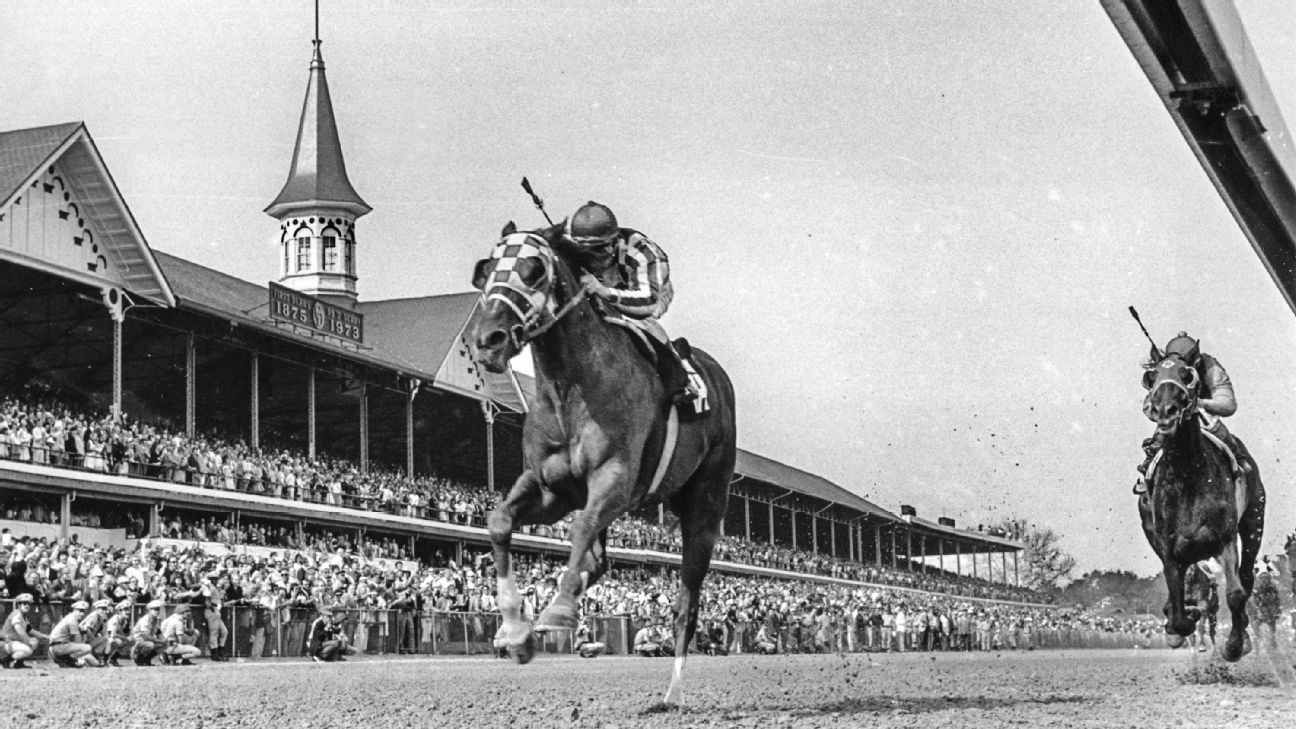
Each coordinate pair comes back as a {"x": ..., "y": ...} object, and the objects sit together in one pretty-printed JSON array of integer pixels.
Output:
[{"x": 651, "y": 337}]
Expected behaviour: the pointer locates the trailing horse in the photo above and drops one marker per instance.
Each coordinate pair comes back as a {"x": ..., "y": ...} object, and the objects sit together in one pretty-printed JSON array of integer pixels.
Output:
[
  {"x": 1198, "y": 504},
  {"x": 1201, "y": 597},
  {"x": 602, "y": 436}
]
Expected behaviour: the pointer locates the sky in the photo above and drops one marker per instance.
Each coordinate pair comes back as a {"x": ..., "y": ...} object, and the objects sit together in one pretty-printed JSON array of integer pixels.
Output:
[{"x": 910, "y": 231}]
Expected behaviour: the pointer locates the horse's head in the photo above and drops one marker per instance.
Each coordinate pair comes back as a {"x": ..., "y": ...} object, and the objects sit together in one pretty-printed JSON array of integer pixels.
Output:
[
  {"x": 1172, "y": 393},
  {"x": 524, "y": 283}
]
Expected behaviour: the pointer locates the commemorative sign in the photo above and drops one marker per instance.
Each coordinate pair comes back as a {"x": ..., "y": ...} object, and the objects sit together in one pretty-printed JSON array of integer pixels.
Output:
[{"x": 308, "y": 311}]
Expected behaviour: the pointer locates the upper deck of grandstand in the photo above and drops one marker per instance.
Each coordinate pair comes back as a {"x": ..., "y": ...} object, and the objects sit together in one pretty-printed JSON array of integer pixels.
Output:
[{"x": 90, "y": 313}]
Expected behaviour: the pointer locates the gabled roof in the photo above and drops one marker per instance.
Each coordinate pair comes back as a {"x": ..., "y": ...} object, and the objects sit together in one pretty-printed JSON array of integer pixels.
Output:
[
  {"x": 318, "y": 174},
  {"x": 28, "y": 154},
  {"x": 780, "y": 474},
  {"x": 421, "y": 331}
]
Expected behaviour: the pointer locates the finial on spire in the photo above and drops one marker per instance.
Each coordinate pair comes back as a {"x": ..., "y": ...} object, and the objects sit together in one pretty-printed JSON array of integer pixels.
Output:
[{"x": 317, "y": 38}]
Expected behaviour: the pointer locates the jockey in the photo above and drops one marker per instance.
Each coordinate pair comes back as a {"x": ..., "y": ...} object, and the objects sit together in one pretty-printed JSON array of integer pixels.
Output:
[
  {"x": 1215, "y": 399},
  {"x": 631, "y": 274}
]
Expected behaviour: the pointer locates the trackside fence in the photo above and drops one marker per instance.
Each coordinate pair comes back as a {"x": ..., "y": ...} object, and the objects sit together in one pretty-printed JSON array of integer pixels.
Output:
[{"x": 263, "y": 632}]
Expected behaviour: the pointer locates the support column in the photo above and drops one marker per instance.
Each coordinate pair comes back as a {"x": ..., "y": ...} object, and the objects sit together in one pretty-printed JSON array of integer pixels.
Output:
[
  {"x": 310, "y": 412},
  {"x": 893, "y": 548},
  {"x": 409, "y": 429},
  {"x": 1016, "y": 570},
  {"x": 877, "y": 545},
  {"x": 488, "y": 412},
  {"x": 922, "y": 544},
  {"x": 958, "y": 558},
  {"x": 832, "y": 538},
  {"x": 191, "y": 379},
  {"x": 747, "y": 517},
  {"x": 117, "y": 368},
  {"x": 814, "y": 533},
  {"x": 974, "y": 563},
  {"x": 771, "y": 516},
  {"x": 65, "y": 515},
  {"x": 155, "y": 520},
  {"x": 1005, "y": 566},
  {"x": 940, "y": 546},
  {"x": 792, "y": 511},
  {"x": 909, "y": 548},
  {"x": 364, "y": 428},
  {"x": 256, "y": 400}
]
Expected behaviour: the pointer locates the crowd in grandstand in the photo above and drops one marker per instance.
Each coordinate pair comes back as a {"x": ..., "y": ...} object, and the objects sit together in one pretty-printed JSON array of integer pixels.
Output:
[
  {"x": 764, "y": 614},
  {"x": 49, "y": 432}
]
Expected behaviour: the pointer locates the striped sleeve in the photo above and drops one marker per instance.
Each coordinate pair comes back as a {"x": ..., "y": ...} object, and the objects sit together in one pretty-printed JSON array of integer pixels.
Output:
[{"x": 647, "y": 289}]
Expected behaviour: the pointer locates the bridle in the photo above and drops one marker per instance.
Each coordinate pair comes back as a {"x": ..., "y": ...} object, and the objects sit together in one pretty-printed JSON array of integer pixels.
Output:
[
  {"x": 1167, "y": 372},
  {"x": 534, "y": 303}
]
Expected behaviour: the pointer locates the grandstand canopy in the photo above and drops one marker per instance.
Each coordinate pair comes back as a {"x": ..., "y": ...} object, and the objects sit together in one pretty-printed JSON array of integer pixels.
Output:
[
  {"x": 61, "y": 212},
  {"x": 751, "y": 465}
]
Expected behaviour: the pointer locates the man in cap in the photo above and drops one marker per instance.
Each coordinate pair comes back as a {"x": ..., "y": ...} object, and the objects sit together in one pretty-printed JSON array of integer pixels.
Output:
[
  {"x": 178, "y": 636},
  {"x": 93, "y": 629},
  {"x": 1215, "y": 398},
  {"x": 17, "y": 636},
  {"x": 326, "y": 641},
  {"x": 147, "y": 634},
  {"x": 118, "y": 636},
  {"x": 213, "y": 598},
  {"x": 68, "y": 647}
]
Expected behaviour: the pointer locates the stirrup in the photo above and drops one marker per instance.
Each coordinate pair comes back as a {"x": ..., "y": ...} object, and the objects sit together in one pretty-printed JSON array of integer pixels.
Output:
[{"x": 1140, "y": 487}]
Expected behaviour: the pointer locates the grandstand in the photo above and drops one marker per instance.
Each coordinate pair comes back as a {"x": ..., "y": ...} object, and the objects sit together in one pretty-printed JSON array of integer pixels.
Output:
[{"x": 181, "y": 393}]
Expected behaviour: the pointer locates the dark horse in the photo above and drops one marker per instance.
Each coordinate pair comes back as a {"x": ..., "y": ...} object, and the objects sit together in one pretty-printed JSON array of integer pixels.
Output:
[
  {"x": 595, "y": 434},
  {"x": 1195, "y": 508}
]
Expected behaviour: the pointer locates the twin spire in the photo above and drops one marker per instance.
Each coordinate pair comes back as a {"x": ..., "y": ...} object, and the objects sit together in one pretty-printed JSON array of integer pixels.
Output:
[{"x": 317, "y": 207}]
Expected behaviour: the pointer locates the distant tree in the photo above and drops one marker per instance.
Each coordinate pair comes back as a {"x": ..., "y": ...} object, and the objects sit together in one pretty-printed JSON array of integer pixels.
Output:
[
  {"x": 1043, "y": 565},
  {"x": 1116, "y": 592}
]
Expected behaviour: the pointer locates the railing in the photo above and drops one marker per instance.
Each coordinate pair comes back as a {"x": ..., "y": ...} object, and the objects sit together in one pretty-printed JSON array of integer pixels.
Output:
[{"x": 260, "y": 632}]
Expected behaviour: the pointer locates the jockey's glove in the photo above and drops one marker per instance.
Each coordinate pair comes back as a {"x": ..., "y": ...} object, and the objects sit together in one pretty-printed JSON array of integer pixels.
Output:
[{"x": 596, "y": 287}]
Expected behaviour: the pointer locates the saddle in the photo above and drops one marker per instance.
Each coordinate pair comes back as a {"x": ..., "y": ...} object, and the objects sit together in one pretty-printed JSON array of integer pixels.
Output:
[
  {"x": 673, "y": 360},
  {"x": 1236, "y": 470}
]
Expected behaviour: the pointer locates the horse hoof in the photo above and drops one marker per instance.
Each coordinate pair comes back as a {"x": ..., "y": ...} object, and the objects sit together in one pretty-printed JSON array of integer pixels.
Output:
[
  {"x": 525, "y": 651},
  {"x": 1175, "y": 641}
]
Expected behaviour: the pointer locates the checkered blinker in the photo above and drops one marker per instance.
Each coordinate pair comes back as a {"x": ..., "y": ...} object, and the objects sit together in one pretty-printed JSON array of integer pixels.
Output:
[{"x": 519, "y": 273}]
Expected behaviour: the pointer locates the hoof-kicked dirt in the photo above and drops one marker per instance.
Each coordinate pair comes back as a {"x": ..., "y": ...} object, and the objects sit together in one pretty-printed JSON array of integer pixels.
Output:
[{"x": 1142, "y": 689}]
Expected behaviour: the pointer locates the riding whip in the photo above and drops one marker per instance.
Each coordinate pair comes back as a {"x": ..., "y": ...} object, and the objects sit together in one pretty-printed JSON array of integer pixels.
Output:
[
  {"x": 526, "y": 185},
  {"x": 1155, "y": 349}
]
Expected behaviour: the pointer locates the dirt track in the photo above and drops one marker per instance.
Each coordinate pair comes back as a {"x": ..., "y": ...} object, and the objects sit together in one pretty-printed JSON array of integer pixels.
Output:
[{"x": 1049, "y": 688}]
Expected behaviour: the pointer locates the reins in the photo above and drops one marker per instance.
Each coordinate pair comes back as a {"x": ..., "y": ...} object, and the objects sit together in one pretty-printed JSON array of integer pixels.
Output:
[{"x": 535, "y": 331}]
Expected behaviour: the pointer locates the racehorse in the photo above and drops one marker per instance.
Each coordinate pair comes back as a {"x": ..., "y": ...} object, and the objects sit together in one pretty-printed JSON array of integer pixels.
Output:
[
  {"x": 1194, "y": 508},
  {"x": 595, "y": 435}
]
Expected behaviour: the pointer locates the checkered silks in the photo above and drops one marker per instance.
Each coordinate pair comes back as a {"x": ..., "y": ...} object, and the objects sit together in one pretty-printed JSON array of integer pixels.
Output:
[{"x": 504, "y": 282}]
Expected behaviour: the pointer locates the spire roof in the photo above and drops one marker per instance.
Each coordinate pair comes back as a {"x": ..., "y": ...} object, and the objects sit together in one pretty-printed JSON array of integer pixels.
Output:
[{"x": 318, "y": 174}]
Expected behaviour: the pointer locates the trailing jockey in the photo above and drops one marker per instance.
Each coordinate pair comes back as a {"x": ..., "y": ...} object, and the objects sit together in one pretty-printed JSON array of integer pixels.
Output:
[
  {"x": 631, "y": 274},
  {"x": 1215, "y": 399}
]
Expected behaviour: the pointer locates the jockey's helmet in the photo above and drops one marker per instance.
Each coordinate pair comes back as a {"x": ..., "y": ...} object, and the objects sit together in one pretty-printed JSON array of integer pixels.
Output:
[
  {"x": 593, "y": 226},
  {"x": 1187, "y": 348}
]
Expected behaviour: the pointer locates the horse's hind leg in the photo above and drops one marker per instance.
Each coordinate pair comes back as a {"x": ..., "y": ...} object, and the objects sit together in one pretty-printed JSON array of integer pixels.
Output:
[
  {"x": 1235, "y": 644},
  {"x": 700, "y": 506}
]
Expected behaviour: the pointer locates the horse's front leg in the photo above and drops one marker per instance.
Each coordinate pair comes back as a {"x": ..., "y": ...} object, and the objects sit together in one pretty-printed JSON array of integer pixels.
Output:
[
  {"x": 1178, "y": 625},
  {"x": 1237, "y": 643},
  {"x": 524, "y": 502},
  {"x": 608, "y": 489}
]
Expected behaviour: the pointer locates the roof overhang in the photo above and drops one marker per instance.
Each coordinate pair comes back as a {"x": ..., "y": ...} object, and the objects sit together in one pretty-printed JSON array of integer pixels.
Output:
[
  {"x": 1203, "y": 67},
  {"x": 102, "y": 203}
]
